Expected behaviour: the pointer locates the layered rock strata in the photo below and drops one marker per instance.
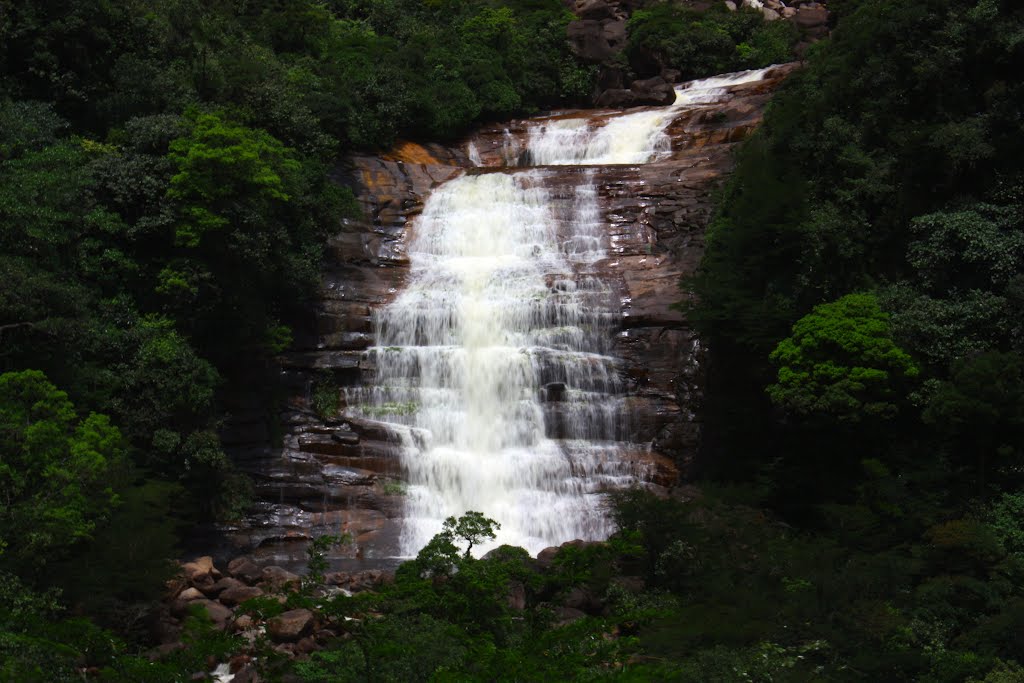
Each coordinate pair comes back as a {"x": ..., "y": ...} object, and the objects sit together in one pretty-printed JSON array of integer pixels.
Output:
[{"x": 334, "y": 473}]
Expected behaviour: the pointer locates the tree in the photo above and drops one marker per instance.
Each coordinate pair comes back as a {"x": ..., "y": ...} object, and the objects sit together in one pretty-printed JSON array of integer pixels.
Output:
[
  {"x": 841, "y": 362},
  {"x": 223, "y": 166},
  {"x": 471, "y": 528},
  {"x": 56, "y": 470}
]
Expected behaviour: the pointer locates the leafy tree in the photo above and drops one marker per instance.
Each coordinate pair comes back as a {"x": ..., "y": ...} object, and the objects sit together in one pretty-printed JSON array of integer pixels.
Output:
[
  {"x": 841, "y": 362},
  {"x": 471, "y": 528},
  {"x": 57, "y": 471},
  {"x": 218, "y": 164}
]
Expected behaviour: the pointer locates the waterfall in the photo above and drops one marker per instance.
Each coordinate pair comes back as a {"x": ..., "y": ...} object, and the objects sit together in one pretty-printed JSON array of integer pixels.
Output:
[{"x": 494, "y": 365}]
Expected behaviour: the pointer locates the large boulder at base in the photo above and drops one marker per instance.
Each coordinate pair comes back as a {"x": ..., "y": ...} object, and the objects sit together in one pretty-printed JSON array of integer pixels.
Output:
[
  {"x": 199, "y": 569},
  {"x": 278, "y": 577},
  {"x": 236, "y": 595},
  {"x": 290, "y": 626},
  {"x": 616, "y": 97},
  {"x": 244, "y": 569}
]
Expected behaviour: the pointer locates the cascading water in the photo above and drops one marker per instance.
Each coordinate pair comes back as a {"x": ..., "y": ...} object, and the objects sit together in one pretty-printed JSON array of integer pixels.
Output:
[{"x": 493, "y": 364}]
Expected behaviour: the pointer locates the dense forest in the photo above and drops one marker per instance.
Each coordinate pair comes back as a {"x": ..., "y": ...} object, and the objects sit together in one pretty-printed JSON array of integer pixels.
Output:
[{"x": 165, "y": 190}]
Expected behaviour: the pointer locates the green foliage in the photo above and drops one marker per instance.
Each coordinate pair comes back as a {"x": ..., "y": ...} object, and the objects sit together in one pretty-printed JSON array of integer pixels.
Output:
[
  {"x": 57, "y": 471},
  {"x": 841, "y": 361},
  {"x": 471, "y": 528},
  {"x": 316, "y": 563},
  {"x": 704, "y": 43},
  {"x": 326, "y": 398},
  {"x": 217, "y": 163}
]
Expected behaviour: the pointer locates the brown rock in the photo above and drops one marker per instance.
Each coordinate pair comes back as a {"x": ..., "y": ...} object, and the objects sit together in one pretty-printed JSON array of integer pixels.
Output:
[
  {"x": 278, "y": 577},
  {"x": 243, "y": 622},
  {"x": 290, "y": 626},
  {"x": 236, "y": 595},
  {"x": 221, "y": 586},
  {"x": 566, "y": 615},
  {"x": 199, "y": 568},
  {"x": 546, "y": 557},
  {"x": 190, "y": 594},
  {"x": 216, "y": 611},
  {"x": 244, "y": 569},
  {"x": 616, "y": 97},
  {"x": 655, "y": 91},
  {"x": 588, "y": 40},
  {"x": 306, "y": 646}
]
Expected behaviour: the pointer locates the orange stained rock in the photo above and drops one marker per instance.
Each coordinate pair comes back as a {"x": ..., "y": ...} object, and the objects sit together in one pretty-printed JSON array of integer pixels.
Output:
[{"x": 411, "y": 153}]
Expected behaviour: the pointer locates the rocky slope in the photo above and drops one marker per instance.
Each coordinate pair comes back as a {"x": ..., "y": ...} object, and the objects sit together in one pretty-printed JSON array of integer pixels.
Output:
[{"x": 331, "y": 473}]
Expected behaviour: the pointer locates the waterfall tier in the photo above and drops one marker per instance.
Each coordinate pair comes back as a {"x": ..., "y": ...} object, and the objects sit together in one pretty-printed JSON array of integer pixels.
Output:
[{"x": 502, "y": 332}]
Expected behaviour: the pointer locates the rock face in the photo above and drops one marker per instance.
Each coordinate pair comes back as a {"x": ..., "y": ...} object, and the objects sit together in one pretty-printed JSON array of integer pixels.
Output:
[{"x": 335, "y": 474}]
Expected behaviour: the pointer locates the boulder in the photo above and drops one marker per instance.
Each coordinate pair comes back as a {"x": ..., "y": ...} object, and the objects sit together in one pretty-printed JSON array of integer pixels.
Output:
[
  {"x": 587, "y": 39},
  {"x": 199, "y": 569},
  {"x": 811, "y": 19},
  {"x": 655, "y": 91},
  {"x": 244, "y": 569},
  {"x": 190, "y": 594},
  {"x": 236, "y": 595},
  {"x": 616, "y": 97},
  {"x": 216, "y": 611},
  {"x": 242, "y": 623},
  {"x": 546, "y": 557},
  {"x": 221, "y": 586},
  {"x": 278, "y": 577},
  {"x": 306, "y": 646},
  {"x": 290, "y": 626},
  {"x": 566, "y": 615}
]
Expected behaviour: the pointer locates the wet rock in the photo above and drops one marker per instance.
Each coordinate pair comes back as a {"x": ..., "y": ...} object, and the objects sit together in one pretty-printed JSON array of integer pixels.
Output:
[
  {"x": 616, "y": 97},
  {"x": 655, "y": 91},
  {"x": 278, "y": 577},
  {"x": 239, "y": 594},
  {"x": 290, "y": 626},
  {"x": 244, "y": 569}
]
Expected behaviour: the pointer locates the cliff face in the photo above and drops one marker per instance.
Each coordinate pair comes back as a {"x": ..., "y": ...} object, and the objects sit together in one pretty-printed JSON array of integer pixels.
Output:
[{"x": 344, "y": 473}]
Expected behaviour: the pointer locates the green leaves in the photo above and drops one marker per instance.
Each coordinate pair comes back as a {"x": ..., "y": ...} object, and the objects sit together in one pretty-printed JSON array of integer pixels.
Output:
[
  {"x": 56, "y": 472},
  {"x": 221, "y": 164},
  {"x": 841, "y": 362}
]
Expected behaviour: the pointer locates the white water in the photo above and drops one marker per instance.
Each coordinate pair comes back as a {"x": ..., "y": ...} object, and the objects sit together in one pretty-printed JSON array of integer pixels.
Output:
[
  {"x": 635, "y": 138},
  {"x": 492, "y": 364}
]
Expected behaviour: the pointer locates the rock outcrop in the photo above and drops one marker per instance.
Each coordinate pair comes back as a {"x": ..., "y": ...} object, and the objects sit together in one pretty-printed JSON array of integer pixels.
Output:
[{"x": 340, "y": 474}]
